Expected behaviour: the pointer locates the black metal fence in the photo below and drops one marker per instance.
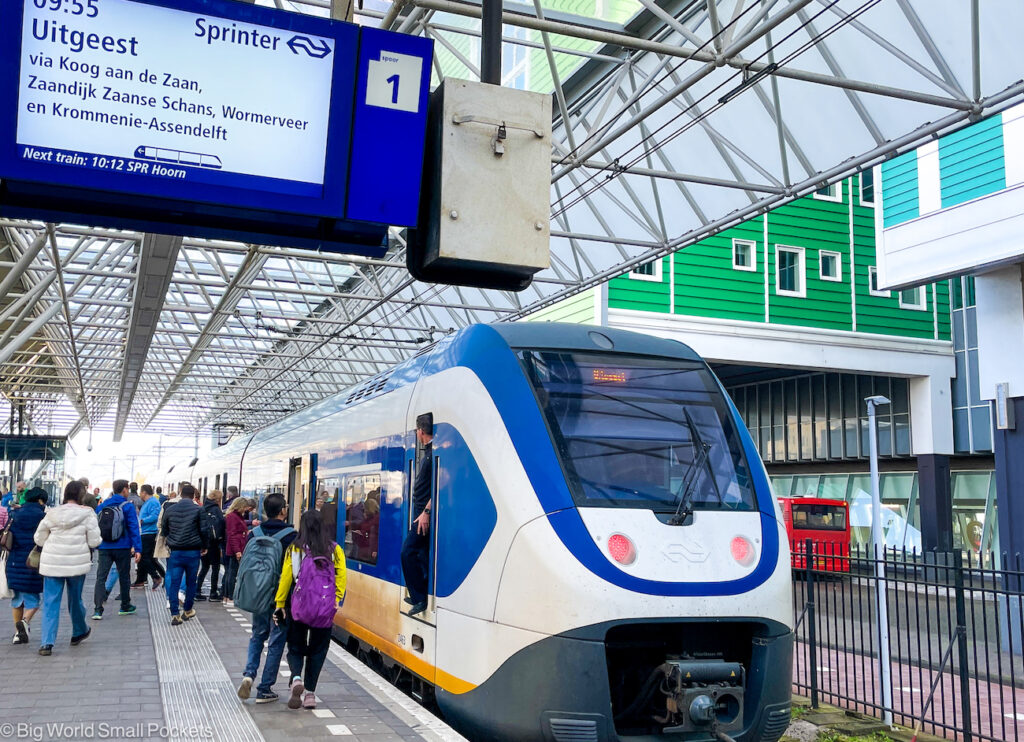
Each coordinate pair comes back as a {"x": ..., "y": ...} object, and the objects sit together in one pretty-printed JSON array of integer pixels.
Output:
[{"x": 955, "y": 638}]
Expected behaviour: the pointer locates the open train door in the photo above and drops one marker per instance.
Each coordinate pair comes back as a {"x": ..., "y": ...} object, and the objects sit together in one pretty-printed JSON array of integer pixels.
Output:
[
  {"x": 421, "y": 461},
  {"x": 301, "y": 486}
]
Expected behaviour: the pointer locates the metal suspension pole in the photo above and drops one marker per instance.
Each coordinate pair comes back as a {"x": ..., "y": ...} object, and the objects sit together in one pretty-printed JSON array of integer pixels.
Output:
[
  {"x": 490, "y": 42},
  {"x": 881, "y": 599}
]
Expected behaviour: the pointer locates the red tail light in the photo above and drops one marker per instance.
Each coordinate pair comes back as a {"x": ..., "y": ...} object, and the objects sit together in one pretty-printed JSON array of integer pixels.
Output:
[
  {"x": 742, "y": 551},
  {"x": 621, "y": 549}
]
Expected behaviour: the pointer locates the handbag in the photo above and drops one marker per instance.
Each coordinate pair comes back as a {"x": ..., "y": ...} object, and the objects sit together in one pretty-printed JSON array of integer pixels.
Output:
[
  {"x": 5, "y": 591},
  {"x": 7, "y": 538},
  {"x": 33, "y": 558}
]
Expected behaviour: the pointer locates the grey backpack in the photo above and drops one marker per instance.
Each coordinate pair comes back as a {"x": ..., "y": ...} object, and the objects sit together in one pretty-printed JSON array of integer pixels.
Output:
[{"x": 259, "y": 572}]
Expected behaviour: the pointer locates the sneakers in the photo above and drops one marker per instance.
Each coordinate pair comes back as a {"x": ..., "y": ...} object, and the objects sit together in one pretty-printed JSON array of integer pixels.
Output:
[
  {"x": 158, "y": 582},
  {"x": 200, "y": 597},
  {"x": 295, "y": 699},
  {"x": 176, "y": 620},
  {"x": 245, "y": 689},
  {"x": 266, "y": 696},
  {"x": 309, "y": 700},
  {"x": 418, "y": 608},
  {"x": 76, "y": 640},
  {"x": 138, "y": 585},
  {"x": 21, "y": 632},
  {"x": 189, "y": 615},
  {"x": 97, "y": 615},
  {"x": 129, "y": 611},
  {"x": 215, "y": 598},
  {"x": 46, "y": 650}
]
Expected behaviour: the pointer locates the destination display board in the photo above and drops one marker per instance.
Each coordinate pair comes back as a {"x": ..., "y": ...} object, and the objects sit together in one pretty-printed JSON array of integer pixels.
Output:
[{"x": 210, "y": 102}]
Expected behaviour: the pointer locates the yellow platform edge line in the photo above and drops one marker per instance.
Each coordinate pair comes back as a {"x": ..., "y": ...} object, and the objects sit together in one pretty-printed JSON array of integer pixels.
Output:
[{"x": 443, "y": 680}]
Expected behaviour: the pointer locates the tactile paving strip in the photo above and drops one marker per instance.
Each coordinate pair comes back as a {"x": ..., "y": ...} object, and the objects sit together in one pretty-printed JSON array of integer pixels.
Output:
[{"x": 197, "y": 693}]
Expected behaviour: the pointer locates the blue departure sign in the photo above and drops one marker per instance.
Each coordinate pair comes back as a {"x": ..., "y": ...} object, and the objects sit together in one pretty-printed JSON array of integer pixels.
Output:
[{"x": 211, "y": 118}]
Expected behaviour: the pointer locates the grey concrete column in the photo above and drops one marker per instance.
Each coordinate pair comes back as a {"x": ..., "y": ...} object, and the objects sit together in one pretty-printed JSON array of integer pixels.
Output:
[{"x": 931, "y": 423}]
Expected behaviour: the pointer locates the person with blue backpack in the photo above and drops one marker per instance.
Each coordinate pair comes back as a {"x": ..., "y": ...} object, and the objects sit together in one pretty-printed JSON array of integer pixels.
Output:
[
  {"x": 122, "y": 541},
  {"x": 312, "y": 588},
  {"x": 23, "y": 580},
  {"x": 255, "y": 587}
]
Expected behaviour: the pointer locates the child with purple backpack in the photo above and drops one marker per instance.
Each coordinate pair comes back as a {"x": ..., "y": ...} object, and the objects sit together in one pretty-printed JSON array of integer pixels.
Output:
[{"x": 311, "y": 589}]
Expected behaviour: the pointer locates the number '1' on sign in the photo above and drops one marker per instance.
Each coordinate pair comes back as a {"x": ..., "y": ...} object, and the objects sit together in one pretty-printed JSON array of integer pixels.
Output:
[{"x": 393, "y": 81}]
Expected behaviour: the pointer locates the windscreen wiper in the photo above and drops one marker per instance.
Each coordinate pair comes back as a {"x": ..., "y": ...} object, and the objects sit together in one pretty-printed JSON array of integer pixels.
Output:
[{"x": 692, "y": 475}]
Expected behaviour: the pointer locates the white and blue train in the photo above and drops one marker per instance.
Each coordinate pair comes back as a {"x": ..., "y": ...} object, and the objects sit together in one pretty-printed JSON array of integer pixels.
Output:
[{"x": 607, "y": 562}]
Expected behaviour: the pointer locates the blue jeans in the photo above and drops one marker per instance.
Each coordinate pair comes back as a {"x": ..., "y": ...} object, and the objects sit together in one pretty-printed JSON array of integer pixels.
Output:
[
  {"x": 182, "y": 564},
  {"x": 53, "y": 589},
  {"x": 264, "y": 628}
]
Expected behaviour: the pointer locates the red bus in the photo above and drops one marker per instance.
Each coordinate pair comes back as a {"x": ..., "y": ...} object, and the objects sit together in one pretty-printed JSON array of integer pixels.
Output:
[{"x": 826, "y": 523}]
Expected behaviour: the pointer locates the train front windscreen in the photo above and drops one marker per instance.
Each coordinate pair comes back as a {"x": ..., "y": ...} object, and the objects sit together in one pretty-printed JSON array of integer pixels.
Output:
[{"x": 634, "y": 432}]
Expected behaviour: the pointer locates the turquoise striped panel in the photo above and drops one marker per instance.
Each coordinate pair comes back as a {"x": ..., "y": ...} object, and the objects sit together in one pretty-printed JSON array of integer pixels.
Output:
[
  {"x": 971, "y": 162},
  {"x": 899, "y": 189}
]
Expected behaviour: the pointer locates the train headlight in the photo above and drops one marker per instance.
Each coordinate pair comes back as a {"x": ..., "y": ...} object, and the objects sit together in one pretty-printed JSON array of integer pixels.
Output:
[
  {"x": 742, "y": 551},
  {"x": 621, "y": 549}
]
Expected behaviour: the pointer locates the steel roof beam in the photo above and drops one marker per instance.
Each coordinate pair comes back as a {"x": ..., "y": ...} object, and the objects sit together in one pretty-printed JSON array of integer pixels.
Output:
[
  {"x": 251, "y": 265},
  {"x": 158, "y": 255}
]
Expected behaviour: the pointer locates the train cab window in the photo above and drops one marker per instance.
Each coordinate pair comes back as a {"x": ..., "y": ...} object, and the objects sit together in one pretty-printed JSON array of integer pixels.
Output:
[
  {"x": 362, "y": 517},
  {"x": 636, "y": 432}
]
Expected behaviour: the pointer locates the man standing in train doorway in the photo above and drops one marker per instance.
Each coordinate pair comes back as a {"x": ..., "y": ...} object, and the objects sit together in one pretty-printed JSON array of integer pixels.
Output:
[{"x": 416, "y": 549}]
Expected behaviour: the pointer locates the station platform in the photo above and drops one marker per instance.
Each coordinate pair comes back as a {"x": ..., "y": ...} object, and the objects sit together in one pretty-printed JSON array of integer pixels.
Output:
[{"x": 139, "y": 678}]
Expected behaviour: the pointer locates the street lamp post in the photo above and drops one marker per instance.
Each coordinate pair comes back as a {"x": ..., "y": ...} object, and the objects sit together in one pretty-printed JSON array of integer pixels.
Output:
[{"x": 881, "y": 601}]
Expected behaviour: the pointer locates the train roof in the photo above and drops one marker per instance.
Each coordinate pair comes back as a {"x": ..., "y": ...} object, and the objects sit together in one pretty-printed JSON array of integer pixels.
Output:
[
  {"x": 554, "y": 335},
  {"x": 536, "y": 335}
]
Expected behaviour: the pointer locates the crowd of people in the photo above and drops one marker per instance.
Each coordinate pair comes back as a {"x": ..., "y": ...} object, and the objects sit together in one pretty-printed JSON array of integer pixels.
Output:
[{"x": 292, "y": 581}]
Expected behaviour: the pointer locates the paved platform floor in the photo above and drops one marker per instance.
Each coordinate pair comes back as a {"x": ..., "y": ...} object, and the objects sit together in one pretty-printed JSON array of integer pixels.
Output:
[{"x": 138, "y": 678}]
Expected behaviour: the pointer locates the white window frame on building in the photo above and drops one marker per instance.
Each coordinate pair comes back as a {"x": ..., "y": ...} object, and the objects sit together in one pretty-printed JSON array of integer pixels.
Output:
[
  {"x": 921, "y": 305},
  {"x": 860, "y": 186},
  {"x": 800, "y": 252},
  {"x": 872, "y": 284},
  {"x": 838, "y": 258},
  {"x": 655, "y": 276},
  {"x": 832, "y": 192},
  {"x": 751, "y": 245}
]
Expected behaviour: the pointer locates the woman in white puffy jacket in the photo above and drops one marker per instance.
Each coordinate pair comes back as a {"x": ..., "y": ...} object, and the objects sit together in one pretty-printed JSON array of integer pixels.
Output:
[{"x": 67, "y": 535}]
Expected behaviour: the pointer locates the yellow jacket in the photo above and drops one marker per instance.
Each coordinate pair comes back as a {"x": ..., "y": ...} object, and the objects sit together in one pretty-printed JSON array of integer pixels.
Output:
[{"x": 284, "y": 587}]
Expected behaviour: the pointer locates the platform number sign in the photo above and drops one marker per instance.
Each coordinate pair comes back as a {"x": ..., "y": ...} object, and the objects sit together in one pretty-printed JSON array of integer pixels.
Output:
[{"x": 393, "y": 81}]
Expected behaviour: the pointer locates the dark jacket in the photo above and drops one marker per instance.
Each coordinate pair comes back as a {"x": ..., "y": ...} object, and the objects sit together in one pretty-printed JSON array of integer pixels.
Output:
[
  {"x": 24, "y": 522},
  {"x": 132, "y": 537},
  {"x": 421, "y": 485},
  {"x": 271, "y": 526},
  {"x": 185, "y": 527},
  {"x": 216, "y": 516}
]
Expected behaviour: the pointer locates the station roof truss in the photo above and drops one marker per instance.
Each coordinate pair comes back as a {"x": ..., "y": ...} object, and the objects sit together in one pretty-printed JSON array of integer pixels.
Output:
[{"x": 672, "y": 121}]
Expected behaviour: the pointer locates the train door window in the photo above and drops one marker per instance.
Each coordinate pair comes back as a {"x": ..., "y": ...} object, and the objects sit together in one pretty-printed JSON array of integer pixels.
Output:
[
  {"x": 216, "y": 482},
  {"x": 362, "y": 517},
  {"x": 224, "y": 481},
  {"x": 329, "y": 506}
]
